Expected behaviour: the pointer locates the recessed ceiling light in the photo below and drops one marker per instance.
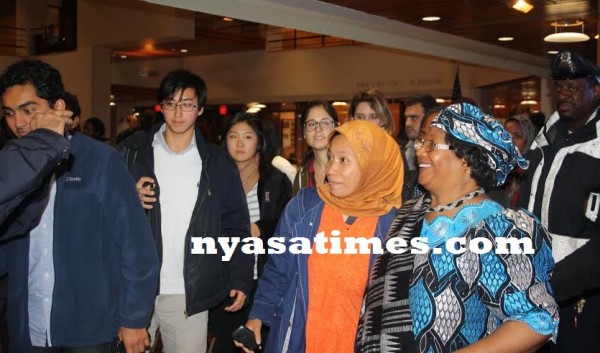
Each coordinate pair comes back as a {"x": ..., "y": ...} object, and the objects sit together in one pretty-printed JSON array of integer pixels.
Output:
[
  {"x": 597, "y": 36},
  {"x": 339, "y": 103},
  {"x": 227, "y": 19},
  {"x": 523, "y": 6},
  {"x": 184, "y": 50},
  {"x": 505, "y": 39},
  {"x": 431, "y": 18},
  {"x": 552, "y": 52},
  {"x": 123, "y": 56}
]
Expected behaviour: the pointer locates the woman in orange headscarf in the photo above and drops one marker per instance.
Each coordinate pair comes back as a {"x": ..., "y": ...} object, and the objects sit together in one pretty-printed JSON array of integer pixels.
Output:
[{"x": 310, "y": 294}]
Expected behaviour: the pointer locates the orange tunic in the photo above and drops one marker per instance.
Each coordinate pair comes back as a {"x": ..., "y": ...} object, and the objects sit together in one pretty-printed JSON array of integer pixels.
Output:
[{"x": 336, "y": 284}]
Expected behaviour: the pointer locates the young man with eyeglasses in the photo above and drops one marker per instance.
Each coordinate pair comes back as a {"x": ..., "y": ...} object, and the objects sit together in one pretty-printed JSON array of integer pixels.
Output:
[
  {"x": 562, "y": 188},
  {"x": 191, "y": 189}
]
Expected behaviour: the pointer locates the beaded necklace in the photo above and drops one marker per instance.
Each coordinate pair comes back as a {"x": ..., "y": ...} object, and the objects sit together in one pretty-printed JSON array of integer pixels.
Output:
[{"x": 456, "y": 203}]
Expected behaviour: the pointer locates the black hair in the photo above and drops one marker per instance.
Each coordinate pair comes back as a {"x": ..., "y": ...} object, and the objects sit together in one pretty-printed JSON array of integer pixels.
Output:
[
  {"x": 45, "y": 78},
  {"x": 72, "y": 104},
  {"x": 425, "y": 100},
  {"x": 254, "y": 122},
  {"x": 328, "y": 108},
  {"x": 179, "y": 80},
  {"x": 98, "y": 125},
  {"x": 476, "y": 159}
]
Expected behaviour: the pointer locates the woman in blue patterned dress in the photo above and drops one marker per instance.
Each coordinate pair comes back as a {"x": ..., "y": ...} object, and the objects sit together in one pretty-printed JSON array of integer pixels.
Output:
[{"x": 460, "y": 296}]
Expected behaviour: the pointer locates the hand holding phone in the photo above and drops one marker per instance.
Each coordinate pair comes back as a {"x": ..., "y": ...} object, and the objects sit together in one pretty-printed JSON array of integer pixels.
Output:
[{"x": 245, "y": 336}]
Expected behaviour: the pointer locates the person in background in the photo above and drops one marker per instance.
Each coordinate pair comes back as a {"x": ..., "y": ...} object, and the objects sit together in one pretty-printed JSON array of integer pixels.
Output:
[
  {"x": 372, "y": 106},
  {"x": 318, "y": 122},
  {"x": 563, "y": 189},
  {"x": 440, "y": 301},
  {"x": 522, "y": 132},
  {"x": 84, "y": 273},
  {"x": 72, "y": 104},
  {"x": 132, "y": 126},
  {"x": 191, "y": 188},
  {"x": 130, "y": 146},
  {"x": 267, "y": 192},
  {"x": 94, "y": 128},
  {"x": 311, "y": 301},
  {"x": 415, "y": 108},
  {"x": 538, "y": 119}
]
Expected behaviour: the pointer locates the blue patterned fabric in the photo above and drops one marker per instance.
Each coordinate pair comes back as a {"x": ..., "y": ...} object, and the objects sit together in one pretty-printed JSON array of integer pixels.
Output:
[
  {"x": 456, "y": 300},
  {"x": 469, "y": 124}
]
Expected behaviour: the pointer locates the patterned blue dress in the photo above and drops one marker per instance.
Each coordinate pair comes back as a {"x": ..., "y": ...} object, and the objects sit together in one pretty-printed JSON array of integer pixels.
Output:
[{"x": 457, "y": 299}]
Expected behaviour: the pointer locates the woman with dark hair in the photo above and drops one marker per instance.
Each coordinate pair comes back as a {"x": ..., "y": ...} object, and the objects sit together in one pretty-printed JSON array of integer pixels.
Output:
[
  {"x": 318, "y": 121},
  {"x": 267, "y": 192},
  {"x": 456, "y": 296}
]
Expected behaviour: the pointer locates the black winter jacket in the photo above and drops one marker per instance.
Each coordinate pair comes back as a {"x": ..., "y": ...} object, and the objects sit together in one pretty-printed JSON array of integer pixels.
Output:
[
  {"x": 274, "y": 192},
  {"x": 220, "y": 211}
]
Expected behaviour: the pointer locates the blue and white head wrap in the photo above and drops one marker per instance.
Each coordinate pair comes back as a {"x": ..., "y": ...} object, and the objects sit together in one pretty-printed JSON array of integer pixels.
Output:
[{"x": 469, "y": 124}]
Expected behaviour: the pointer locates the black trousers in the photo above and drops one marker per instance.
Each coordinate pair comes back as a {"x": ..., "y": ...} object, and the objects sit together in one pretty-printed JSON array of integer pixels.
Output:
[{"x": 222, "y": 324}]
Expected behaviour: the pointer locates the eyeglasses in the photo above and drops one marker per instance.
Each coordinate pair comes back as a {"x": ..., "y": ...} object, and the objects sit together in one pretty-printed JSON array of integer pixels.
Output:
[
  {"x": 429, "y": 145},
  {"x": 325, "y": 125},
  {"x": 185, "y": 106}
]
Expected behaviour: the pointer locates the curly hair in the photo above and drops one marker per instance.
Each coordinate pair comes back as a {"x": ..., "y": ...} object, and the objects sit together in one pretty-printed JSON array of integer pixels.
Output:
[
  {"x": 45, "y": 78},
  {"x": 476, "y": 159}
]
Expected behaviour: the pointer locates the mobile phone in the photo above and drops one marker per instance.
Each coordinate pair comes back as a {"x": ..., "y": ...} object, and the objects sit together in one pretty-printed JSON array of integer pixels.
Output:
[{"x": 246, "y": 337}]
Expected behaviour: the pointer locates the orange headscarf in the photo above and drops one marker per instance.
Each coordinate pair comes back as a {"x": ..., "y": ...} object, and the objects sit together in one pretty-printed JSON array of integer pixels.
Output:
[{"x": 381, "y": 167}]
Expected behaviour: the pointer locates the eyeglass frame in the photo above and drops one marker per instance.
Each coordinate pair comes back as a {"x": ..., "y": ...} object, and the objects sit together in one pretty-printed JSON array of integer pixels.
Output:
[
  {"x": 181, "y": 105},
  {"x": 319, "y": 124},
  {"x": 433, "y": 146}
]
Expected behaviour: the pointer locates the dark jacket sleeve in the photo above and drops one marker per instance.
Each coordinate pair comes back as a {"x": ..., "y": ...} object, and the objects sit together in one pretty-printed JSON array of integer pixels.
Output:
[
  {"x": 26, "y": 162},
  {"x": 131, "y": 232},
  {"x": 275, "y": 194},
  {"x": 235, "y": 222}
]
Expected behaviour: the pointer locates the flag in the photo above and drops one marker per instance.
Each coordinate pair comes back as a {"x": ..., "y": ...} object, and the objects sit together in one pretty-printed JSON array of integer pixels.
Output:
[{"x": 456, "y": 93}]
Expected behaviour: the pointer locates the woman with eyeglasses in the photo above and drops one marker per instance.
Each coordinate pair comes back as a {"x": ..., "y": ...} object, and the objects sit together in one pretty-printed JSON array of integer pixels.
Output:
[
  {"x": 463, "y": 293},
  {"x": 318, "y": 121},
  {"x": 267, "y": 192},
  {"x": 310, "y": 295}
]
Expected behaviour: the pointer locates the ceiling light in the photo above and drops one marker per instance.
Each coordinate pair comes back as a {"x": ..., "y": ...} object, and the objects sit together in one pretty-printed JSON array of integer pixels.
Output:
[
  {"x": 338, "y": 103},
  {"x": 252, "y": 110},
  {"x": 553, "y": 52},
  {"x": 123, "y": 56},
  {"x": 440, "y": 100},
  {"x": 184, "y": 50},
  {"x": 505, "y": 39},
  {"x": 227, "y": 19},
  {"x": 431, "y": 18},
  {"x": 597, "y": 36},
  {"x": 523, "y": 6},
  {"x": 529, "y": 102},
  {"x": 567, "y": 36}
]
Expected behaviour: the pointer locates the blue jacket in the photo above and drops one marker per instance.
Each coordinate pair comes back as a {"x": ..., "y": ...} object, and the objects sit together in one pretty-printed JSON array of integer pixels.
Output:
[
  {"x": 281, "y": 300},
  {"x": 26, "y": 162},
  {"x": 105, "y": 261}
]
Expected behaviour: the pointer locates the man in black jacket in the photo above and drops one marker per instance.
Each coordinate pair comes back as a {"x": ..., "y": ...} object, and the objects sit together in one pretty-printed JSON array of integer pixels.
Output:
[
  {"x": 563, "y": 190},
  {"x": 191, "y": 189}
]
